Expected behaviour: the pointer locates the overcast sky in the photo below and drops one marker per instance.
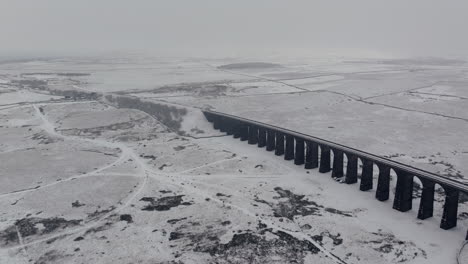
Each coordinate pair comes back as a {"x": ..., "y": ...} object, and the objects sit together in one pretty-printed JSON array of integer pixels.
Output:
[{"x": 237, "y": 27}]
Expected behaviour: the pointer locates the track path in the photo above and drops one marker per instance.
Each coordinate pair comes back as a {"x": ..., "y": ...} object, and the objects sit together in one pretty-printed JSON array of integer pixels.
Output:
[
  {"x": 145, "y": 172},
  {"x": 357, "y": 99}
]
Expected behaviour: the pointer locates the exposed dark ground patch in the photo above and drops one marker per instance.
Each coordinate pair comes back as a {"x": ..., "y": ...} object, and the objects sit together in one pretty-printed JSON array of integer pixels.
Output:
[
  {"x": 133, "y": 135},
  {"x": 72, "y": 74},
  {"x": 336, "y": 211},
  {"x": 34, "y": 226},
  {"x": 252, "y": 248},
  {"x": 463, "y": 198},
  {"x": 77, "y": 204},
  {"x": 463, "y": 216},
  {"x": 173, "y": 221},
  {"x": 77, "y": 95},
  {"x": 151, "y": 157},
  {"x": 179, "y": 148},
  {"x": 337, "y": 240},
  {"x": 222, "y": 195},
  {"x": 401, "y": 251},
  {"x": 163, "y": 203},
  {"x": 289, "y": 205},
  {"x": 170, "y": 116},
  {"x": 261, "y": 246},
  {"x": 103, "y": 227},
  {"x": 175, "y": 235},
  {"x": 196, "y": 89},
  {"x": 226, "y": 223},
  {"x": 293, "y": 204},
  {"x": 43, "y": 85},
  {"x": 126, "y": 217},
  {"x": 449, "y": 171},
  {"x": 163, "y": 166},
  {"x": 65, "y": 74},
  {"x": 52, "y": 256},
  {"x": 78, "y": 238},
  {"x": 197, "y": 130},
  {"x": 99, "y": 213},
  {"x": 6, "y": 90},
  {"x": 45, "y": 138},
  {"x": 30, "y": 83},
  {"x": 98, "y": 131}
]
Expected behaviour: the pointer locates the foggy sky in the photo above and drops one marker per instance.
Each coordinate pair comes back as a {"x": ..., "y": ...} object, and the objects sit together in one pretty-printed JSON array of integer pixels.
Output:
[{"x": 237, "y": 27}]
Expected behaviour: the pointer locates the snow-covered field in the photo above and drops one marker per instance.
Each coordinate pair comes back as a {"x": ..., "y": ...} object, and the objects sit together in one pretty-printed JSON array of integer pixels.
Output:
[{"x": 137, "y": 175}]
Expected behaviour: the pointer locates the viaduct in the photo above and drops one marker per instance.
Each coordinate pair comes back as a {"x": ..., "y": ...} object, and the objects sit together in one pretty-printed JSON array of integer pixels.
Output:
[{"x": 313, "y": 152}]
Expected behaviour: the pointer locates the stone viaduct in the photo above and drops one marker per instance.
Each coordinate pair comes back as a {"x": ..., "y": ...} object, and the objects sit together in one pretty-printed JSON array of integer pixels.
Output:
[{"x": 313, "y": 152}]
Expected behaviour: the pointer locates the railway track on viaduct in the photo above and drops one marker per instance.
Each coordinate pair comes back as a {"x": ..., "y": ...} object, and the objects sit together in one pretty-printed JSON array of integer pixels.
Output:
[{"x": 314, "y": 152}]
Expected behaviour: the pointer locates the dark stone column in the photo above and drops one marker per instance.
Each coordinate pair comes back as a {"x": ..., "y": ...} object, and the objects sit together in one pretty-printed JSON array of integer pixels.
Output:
[
  {"x": 270, "y": 145},
  {"x": 324, "y": 159},
  {"x": 383, "y": 184},
  {"x": 262, "y": 137},
  {"x": 229, "y": 123},
  {"x": 337, "y": 171},
  {"x": 403, "y": 192},
  {"x": 253, "y": 135},
  {"x": 449, "y": 216},
  {"x": 222, "y": 124},
  {"x": 217, "y": 122},
  {"x": 299, "y": 154},
  {"x": 244, "y": 132},
  {"x": 367, "y": 175},
  {"x": 236, "y": 128},
  {"x": 279, "y": 150},
  {"x": 426, "y": 205},
  {"x": 351, "y": 169},
  {"x": 311, "y": 159},
  {"x": 289, "y": 151},
  {"x": 208, "y": 117}
]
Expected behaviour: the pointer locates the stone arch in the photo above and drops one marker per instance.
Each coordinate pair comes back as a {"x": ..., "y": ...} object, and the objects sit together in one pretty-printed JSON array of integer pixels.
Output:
[
  {"x": 360, "y": 166},
  {"x": 393, "y": 178}
]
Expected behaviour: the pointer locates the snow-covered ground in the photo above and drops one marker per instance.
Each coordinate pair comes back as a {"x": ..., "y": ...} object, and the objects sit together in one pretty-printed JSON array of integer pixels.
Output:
[{"x": 138, "y": 175}]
